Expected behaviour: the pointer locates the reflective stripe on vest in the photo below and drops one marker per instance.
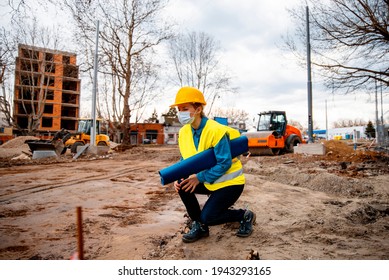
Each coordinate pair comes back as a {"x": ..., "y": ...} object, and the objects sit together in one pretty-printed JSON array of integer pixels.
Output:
[{"x": 228, "y": 176}]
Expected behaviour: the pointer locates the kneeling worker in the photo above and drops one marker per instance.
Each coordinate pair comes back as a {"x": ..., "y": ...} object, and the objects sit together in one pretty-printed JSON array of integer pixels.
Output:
[{"x": 223, "y": 183}]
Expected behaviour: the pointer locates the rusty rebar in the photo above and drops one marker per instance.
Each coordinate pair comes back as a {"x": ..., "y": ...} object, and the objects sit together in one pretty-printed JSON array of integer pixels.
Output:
[{"x": 79, "y": 234}]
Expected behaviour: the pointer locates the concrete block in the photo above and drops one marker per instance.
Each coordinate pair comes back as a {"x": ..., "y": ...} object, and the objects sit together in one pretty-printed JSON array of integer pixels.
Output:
[
  {"x": 91, "y": 150},
  {"x": 97, "y": 150},
  {"x": 43, "y": 154},
  {"x": 80, "y": 150},
  {"x": 310, "y": 149}
]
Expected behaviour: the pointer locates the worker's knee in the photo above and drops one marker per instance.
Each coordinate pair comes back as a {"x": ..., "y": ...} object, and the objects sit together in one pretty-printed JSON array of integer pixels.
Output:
[{"x": 208, "y": 218}]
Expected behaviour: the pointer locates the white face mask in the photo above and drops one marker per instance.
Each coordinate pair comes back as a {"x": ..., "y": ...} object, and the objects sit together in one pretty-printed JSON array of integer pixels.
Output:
[{"x": 185, "y": 118}]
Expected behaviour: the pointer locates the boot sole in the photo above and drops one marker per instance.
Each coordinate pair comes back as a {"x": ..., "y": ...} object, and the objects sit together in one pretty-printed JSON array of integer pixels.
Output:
[{"x": 195, "y": 239}]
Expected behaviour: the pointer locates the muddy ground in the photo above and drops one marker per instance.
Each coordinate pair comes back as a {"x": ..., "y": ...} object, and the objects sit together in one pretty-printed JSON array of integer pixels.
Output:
[{"x": 308, "y": 207}]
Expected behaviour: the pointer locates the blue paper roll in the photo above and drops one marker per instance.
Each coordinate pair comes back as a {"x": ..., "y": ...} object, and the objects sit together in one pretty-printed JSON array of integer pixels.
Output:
[{"x": 201, "y": 161}]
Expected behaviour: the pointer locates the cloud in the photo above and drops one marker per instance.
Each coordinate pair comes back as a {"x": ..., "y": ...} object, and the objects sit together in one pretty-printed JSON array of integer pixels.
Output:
[{"x": 268, "y": 78}]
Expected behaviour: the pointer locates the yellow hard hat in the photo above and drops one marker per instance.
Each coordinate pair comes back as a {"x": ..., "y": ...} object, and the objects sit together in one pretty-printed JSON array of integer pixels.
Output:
[{"x": 189, "y": 95}]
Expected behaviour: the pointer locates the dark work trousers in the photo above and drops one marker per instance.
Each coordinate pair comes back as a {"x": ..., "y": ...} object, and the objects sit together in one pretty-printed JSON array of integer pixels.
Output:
[{"x": 216, "y": 209}]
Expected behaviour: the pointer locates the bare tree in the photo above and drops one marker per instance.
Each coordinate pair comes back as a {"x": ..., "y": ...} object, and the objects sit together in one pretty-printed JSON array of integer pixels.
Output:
[
  {"x": 348, "y": 123},
  {"x": 337, "y": 124},
  {"x": 6, "y": 68},
  {"x": 234, "y": 116},
  {"x": 359, "y": 122},
  {"x": 34, "y": 85},
  {"x": 195, "y": 58},
  {"x": 296, "y": 124},
  {"x": 349, "y": 42},
  {"x": 32, "y": 74},
  {"x": 130, "y": 31},
  {"x": 153, "y": 118}
]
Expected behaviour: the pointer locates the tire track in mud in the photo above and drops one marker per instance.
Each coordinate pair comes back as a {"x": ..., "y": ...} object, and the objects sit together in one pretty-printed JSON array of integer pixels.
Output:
[{"x": 46, "y": 187}]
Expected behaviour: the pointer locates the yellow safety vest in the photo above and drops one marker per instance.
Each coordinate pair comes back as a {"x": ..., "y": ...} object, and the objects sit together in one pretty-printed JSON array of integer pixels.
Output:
[{"x": 210, "y": 136}]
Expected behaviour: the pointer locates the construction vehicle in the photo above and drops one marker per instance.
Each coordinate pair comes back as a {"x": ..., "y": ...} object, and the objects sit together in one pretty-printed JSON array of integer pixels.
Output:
[
  {"x": 64, "y": 139},
  {"x": 56, "y": 144},
  {"x": 82, "y": 136},
  {"x": 273, "y": 135}
]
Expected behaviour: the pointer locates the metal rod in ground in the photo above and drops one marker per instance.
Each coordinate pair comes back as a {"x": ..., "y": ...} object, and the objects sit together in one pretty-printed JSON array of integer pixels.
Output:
[{"x": 79, "y": 234}]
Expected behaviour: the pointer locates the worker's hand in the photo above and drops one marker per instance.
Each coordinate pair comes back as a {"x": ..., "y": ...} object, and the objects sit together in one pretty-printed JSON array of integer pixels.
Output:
[
  {"x": 190, "y": 184},
  {"x": 177, "y": 185}
]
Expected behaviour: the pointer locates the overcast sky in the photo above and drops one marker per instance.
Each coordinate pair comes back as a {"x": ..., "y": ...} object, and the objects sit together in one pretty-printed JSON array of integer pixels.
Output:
[{"x": 250, "y": 34}]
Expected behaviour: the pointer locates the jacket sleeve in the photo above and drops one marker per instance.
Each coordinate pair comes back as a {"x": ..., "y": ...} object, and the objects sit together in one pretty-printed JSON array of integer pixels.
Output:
[{"x": 223, "y": 159}]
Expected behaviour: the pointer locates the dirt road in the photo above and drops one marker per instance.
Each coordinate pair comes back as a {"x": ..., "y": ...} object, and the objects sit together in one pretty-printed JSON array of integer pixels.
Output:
[{"x": 308, "y": 207}]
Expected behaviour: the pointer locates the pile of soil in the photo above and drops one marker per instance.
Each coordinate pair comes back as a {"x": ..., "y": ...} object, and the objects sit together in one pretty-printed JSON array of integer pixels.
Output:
[
  {"x": 342, "y": 151},
  {"x": 18, "y": 142},
  {"x": 15, "y": 147}
]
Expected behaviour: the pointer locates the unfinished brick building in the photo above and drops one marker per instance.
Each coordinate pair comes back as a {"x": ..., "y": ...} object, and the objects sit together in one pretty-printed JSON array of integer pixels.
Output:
[{"x": 47, "y": 89}]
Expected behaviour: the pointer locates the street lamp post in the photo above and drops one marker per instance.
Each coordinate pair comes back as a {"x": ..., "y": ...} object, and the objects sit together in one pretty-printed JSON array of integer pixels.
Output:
[{"x": 310, "y": 120}]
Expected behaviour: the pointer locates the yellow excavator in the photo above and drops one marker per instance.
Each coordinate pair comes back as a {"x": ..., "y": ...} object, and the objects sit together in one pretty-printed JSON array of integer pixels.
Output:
[
  {"x": 82, "y": 136},
  {"x": 64, "y": 139},
  {"x": 273, "y": 135}
]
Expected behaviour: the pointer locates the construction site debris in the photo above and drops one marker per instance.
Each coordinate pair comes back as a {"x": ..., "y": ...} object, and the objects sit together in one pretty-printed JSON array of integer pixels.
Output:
[
  {"x": 310, "y": 149},
  {"x": 22, "y": 156},
  {"x": 253, "y": 255}
]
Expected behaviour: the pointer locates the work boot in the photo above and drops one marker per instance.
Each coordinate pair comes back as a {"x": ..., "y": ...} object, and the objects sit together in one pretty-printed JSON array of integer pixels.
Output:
[
  {"x": 197, "y": 231},
  {"x": 246, "y": 225}
]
